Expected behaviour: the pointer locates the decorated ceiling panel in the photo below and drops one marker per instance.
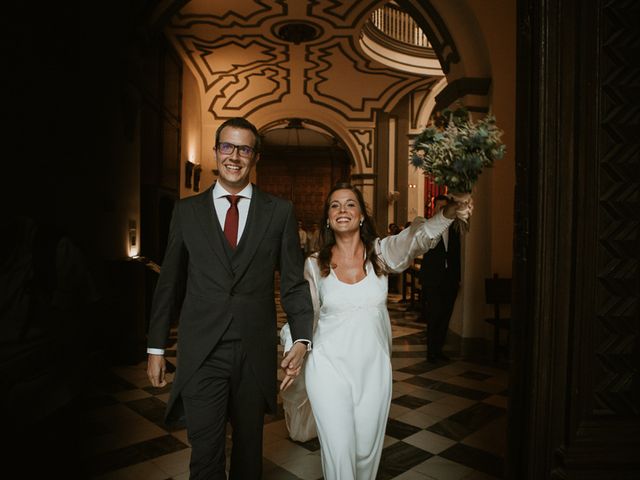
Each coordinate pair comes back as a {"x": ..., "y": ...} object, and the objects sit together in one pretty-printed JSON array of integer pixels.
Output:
[{"x": 305, "y": 56}]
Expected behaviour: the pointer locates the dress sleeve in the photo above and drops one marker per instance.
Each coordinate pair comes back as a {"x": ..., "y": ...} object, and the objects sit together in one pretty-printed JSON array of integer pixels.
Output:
[
  {"x": 398, "y": 251},
  {"x": 295, "y": 402},
  {"x": 311, "y": 274}
]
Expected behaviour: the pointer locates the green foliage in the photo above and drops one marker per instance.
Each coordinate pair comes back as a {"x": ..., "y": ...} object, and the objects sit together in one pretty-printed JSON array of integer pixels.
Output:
[{"x": 454, "y": 149}]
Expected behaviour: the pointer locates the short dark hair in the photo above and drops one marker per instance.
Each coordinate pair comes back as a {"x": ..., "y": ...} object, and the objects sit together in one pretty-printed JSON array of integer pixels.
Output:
[
  {"x": 441, "y": 197},
  {"x": 240, "y": 122}
]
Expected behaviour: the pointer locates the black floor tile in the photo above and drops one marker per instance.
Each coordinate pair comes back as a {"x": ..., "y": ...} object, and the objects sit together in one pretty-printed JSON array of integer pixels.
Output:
[
  {"x": 400, "y": 430},
  {"x": 271, "y": 470},
  {"x": 421, "y": 381},
  {"x": 410, "y": 401},
  {"x": 449, "y": 388},
  {"x": 475, "y": 375},
  {"x": 312, "y": 445},
  {"x": 158, "y": 390},
  {"x": 450, "y": 429},
  {"x": 475, "y": 458},
  {"x": 398, "y": 458},
  {"x": 420, "y": 367},
  {"x": 153, "y": 410},
  {"x": 478, "y": 415},
  {"x": 133, "y": 454}
]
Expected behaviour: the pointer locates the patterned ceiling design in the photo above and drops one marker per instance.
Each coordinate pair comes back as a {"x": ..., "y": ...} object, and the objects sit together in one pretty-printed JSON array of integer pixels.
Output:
[{"x": 243, "y": 67}]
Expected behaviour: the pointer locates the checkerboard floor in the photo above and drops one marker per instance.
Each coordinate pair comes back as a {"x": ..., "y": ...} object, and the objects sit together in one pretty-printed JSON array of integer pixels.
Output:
[{"x": 447, "y": 421}]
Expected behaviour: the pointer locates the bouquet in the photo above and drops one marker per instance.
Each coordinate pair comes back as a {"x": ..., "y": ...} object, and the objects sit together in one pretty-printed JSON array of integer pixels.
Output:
[{"x": 454, "y": 150}]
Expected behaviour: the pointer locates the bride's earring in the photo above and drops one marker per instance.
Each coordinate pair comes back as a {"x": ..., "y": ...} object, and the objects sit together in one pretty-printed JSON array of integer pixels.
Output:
[
  {"x": 327, "y": 223},
  {"x": 361, "y": 222}
]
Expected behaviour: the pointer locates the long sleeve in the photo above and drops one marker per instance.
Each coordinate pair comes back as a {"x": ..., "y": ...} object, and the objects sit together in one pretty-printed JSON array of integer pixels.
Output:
[
  {"x": 311, "y": 274},
  {"x": 398, "y": 251},
  {"x": 294, "y": 290},
  {"x": 169, "y": 291}
]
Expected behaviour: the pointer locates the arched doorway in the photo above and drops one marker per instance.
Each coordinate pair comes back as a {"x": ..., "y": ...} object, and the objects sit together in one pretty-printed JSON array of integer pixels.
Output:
[{"x": 301, "y": 165}]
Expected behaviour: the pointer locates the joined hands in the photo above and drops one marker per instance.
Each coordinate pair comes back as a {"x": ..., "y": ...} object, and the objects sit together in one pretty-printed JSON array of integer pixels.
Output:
[{"x": 292, "y": 364}]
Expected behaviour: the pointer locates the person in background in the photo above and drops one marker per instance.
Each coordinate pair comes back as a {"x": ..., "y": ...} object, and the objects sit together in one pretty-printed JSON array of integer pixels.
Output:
[
  {"x": 440, "y": 281},
  {"x": 218, "y": 275},
  {"x": 313, "y": 238}
]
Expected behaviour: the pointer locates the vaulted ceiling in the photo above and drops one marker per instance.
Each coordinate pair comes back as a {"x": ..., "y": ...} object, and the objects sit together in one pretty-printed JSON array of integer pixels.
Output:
[{"x": 272, "y": 60}]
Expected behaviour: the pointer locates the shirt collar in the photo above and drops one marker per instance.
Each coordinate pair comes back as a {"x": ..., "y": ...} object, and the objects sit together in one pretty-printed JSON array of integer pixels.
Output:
[{"x": 219, "y": 191}]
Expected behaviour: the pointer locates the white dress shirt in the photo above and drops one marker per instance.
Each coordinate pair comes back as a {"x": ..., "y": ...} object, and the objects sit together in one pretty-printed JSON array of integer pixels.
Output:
[{"x": 222, "y": 204}]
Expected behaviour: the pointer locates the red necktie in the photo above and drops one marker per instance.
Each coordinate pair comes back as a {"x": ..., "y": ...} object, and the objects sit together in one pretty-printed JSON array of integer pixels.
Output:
[{"x": 231, "y": 220}]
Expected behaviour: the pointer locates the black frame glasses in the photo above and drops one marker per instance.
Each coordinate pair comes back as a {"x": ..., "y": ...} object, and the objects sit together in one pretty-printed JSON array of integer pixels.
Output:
[{"x": 227, "y": 148}]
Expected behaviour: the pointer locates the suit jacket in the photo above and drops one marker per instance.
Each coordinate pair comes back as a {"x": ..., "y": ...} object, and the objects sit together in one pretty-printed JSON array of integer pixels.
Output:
[
  {"x": 206, "y": 284},
  {"x": 440, "y": 266}
]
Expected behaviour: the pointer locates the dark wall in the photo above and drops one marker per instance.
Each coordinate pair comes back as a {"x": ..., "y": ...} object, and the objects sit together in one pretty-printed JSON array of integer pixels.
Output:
[
  {"x": 574, "y": 408},
  {"x": 65, "y": 71}
]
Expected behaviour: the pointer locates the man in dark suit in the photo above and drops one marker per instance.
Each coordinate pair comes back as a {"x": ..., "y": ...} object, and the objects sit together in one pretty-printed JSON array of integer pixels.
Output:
[
  {"x": 223, "y": 249},
  {"x": 440, "y": 280}
]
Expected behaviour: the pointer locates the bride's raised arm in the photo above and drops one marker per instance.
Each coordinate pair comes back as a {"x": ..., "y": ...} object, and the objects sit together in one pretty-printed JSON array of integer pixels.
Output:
[{"x": 398, "y": 251}]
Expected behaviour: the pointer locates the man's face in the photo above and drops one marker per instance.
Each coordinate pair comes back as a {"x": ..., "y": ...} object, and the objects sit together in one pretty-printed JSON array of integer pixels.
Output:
[{"x": 235, "y": 169}]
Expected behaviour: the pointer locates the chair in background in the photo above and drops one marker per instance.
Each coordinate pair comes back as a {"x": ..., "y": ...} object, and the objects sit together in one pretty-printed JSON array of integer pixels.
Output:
[{"x": 497, "y": 292}]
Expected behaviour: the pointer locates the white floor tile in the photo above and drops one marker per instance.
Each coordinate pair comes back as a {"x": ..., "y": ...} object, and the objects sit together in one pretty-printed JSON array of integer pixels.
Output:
[
  {"x": 438, "y": 468},
  {"x": 429, "y": 441}
]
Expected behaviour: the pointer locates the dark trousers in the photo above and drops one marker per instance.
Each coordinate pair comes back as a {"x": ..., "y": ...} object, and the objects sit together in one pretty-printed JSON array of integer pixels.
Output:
[
  {"x": 437, "y": 307},
  {"x": 224, "y": 388}
]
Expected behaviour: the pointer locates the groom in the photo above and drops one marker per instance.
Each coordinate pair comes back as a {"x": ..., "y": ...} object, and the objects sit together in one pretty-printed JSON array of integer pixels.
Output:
[{"x": 218, "y": 276}]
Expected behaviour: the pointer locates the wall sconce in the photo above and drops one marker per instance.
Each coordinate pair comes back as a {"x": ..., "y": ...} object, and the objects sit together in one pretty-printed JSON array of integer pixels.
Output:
[
  {"x": 412, "y": 185},
  {"x": 393, "y": 197},
  {"x": 188, "y": 172},
  {"x": 197, "y": 170},
  {"x": 133, "y": 239}
]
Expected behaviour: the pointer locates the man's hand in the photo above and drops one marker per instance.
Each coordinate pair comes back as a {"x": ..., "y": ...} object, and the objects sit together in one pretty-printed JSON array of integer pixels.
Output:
[
  {"x": 292, "y": 362},
  {"x": 156, "y": 370},
  {"x": 286, "y": 382}
]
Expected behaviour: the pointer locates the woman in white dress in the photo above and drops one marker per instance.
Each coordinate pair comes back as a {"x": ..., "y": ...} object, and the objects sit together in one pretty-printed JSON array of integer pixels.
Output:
[{"x": 347, "y": 375}]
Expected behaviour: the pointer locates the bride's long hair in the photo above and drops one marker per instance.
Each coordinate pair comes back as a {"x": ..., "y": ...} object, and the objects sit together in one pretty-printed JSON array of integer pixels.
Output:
[{"x": 368, "y": 235}]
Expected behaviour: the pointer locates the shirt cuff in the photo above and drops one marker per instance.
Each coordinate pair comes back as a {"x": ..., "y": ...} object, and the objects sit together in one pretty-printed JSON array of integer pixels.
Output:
[
  {"x": 155, "y": 351},
  {"x": 308, "y": 342}
]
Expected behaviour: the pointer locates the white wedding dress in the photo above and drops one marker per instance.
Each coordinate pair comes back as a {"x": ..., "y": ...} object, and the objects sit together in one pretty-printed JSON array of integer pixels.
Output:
[{"x": 347, "y": 375}]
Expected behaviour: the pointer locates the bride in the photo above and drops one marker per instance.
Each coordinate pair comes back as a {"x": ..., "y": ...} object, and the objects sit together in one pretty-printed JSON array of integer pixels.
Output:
[{"x": 344, "y": 392}]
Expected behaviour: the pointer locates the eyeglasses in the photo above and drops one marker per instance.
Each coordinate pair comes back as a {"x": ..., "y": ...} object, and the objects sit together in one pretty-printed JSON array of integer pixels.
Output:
[{"x": 227, "y": 148}]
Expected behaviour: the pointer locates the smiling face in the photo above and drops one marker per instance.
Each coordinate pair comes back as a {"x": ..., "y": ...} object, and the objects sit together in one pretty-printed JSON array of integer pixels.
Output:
[
  {"x": 344, "y": 213},
  {"x": 235, "y": 169}
]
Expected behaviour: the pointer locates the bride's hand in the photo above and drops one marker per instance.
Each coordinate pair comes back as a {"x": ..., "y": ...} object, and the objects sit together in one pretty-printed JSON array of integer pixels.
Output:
[
  {"x": 287, "y": 381},
  {"x": 465, "y": 209},
  {"x": 461, "y": 207}
]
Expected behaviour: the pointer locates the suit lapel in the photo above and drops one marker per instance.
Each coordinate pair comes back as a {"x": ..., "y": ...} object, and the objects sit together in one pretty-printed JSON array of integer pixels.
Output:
[
  {"x": 208, "y": 222},
  {"x": 258, "y": 219}
]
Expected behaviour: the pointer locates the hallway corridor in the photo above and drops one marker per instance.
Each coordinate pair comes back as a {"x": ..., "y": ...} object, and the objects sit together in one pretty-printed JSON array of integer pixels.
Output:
[{"x": 447, "y": 422}]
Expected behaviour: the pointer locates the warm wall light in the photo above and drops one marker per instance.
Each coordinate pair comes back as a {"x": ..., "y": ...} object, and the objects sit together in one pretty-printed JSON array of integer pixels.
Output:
[
  {"x": 133, "y": 239},
  {"x": 412, "y": 185}
]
